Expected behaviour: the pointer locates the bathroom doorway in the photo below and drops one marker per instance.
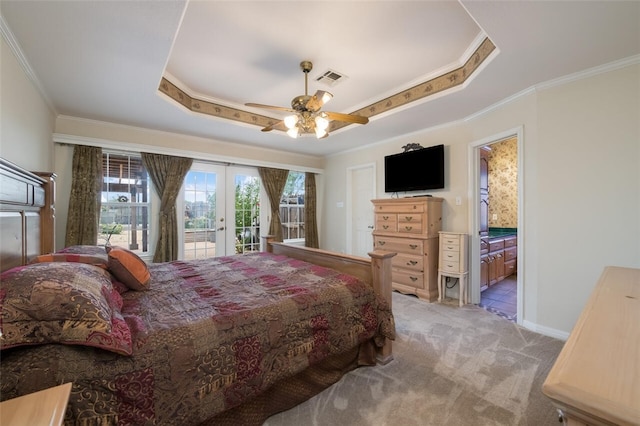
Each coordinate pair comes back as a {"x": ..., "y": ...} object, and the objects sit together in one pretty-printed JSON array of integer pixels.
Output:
[{"x": 496, "y": 224}]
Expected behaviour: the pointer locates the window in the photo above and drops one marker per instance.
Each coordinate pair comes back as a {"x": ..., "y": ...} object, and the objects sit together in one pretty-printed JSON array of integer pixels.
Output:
[
  {"x": 292, "y": 207},
  {"x": 126, "y": 202}
]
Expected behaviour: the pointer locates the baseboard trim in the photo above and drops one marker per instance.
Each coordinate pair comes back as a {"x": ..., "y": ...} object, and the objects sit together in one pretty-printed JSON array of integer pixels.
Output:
[{"x": 547, "y": 331}]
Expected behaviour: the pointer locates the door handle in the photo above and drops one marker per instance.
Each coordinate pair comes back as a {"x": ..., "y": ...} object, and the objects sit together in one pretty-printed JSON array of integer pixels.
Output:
[{"x": 222, "y": 228}]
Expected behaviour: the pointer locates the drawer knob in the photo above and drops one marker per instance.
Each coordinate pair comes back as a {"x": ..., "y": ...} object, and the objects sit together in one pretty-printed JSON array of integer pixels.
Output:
[
  {"x": 408, "y": 218},
  {"x": 385, "y": 217},
  {"x": 385, "y": 226},
  {"x": 413, "y": 246},
  {"x": 412, "y": 262},
  {"x": 381, "y": 242},
  {"x": 408, "y": 228},
  {"x": 414, "y": 279}
]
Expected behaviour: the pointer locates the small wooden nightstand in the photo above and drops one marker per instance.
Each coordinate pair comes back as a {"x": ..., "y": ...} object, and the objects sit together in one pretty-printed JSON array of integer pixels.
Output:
[
  {"x": 46, "y": 407},
  {"x": 453, "y": 263}
]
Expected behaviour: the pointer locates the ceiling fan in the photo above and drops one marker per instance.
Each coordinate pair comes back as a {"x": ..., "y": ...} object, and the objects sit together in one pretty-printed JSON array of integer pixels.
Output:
[{"x": 307, "y": 117}]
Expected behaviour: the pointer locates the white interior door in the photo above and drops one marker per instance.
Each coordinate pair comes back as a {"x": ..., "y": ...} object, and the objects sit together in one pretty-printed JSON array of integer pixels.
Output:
[{"x": 360, "y": 190}]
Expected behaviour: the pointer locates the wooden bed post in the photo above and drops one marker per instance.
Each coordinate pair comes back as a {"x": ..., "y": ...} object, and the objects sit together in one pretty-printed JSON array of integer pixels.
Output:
[{"x": 381, "y": 271}]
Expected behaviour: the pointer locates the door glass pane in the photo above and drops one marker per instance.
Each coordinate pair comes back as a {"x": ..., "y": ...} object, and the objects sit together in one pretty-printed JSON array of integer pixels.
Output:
[
  {"x": 247, "y": 213},
  {"x": 200, "y": 215}
]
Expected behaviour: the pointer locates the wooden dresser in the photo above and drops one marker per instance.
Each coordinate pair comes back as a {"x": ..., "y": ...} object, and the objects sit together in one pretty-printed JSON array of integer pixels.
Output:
[
  {"x": 410, "y": 227},
  {"x": 596, "y": 378}
]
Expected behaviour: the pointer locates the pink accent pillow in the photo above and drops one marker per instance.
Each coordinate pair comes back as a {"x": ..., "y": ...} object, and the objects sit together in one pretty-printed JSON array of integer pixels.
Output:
[{"x": 128, "y": 268}]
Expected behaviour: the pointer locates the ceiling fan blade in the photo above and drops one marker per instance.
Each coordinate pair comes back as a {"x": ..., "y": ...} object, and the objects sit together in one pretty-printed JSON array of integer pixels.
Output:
[
  {"x": 317, "y": 100},
  {"x": 349, "y": 118},
  {"x": 269, "y": 107},
  {"x": 276, "y": 126}
]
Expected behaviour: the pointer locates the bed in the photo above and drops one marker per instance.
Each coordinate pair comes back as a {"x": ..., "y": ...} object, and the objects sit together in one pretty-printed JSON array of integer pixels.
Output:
[{"x": 228, "y": 340}]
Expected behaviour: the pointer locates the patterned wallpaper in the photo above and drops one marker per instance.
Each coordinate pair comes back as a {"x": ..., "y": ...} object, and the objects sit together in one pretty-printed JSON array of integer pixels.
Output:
[{"x": 503, "y": 184}]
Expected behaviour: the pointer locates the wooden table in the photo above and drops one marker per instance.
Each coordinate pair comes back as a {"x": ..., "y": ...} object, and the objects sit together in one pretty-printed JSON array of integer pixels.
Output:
[
  {"x": 596, "y": 378},
  {"x": 46, "y": 407}
]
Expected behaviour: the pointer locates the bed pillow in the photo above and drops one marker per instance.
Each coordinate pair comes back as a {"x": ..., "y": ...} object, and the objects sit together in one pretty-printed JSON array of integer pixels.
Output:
[
  {"x": 128, "y": 268},
  {"x": 90, "y": 259},
  {"x": 61, "y": 302},
  {"x": 83, "y": 249}
]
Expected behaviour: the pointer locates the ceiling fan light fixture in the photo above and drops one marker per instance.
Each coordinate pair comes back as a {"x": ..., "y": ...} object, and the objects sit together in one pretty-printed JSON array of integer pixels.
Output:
[
  {"x": 293, "y": 132},
  {"x": 320, "y": 133},
  {"x": 307, "y": 117},
  {"x": 321, "y": 122},
  {"x": 291, "y": 120}
]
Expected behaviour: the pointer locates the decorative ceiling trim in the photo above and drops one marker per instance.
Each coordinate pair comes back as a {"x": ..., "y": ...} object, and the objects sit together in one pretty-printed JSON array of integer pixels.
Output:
[
  {"x": 430, "y": 87},
  {"x": 205, "y": 107},
  {"x": 438, "y": 84}
]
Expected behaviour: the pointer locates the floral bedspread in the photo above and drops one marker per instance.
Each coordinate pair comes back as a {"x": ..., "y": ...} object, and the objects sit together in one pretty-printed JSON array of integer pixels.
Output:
[{"x": 208, "y": 335}]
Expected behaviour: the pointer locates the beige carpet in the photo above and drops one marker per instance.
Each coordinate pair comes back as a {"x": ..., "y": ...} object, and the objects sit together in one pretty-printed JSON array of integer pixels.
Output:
[{"x": 452, "y": 366}]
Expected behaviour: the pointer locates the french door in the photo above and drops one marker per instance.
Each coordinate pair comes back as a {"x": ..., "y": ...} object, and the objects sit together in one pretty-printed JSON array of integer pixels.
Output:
[{"x": 220, "y": 211}]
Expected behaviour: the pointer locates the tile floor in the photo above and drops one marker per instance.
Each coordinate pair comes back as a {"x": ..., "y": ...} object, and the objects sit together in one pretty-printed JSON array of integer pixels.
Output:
[{"x": 500, "y": 298}]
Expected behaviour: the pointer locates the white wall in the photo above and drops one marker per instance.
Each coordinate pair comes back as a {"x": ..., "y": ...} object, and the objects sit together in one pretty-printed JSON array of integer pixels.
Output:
[
  {"x": 588, "y": 188},
  {"x": 581, "y": 176},
  {"x": 26, "y": 122}
]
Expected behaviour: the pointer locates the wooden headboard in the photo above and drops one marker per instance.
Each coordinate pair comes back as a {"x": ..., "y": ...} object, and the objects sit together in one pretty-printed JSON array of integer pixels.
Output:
[{"x": 27, "y": 214}]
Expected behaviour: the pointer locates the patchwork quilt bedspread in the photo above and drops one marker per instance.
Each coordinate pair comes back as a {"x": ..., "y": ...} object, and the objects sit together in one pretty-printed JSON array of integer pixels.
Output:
[{"x": 206, "y": 336}]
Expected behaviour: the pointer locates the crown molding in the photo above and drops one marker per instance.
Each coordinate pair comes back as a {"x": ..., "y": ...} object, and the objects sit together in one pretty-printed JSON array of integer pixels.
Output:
[
  {"x": 9, "y": 38},
  {"x": 580, "y": 75}
]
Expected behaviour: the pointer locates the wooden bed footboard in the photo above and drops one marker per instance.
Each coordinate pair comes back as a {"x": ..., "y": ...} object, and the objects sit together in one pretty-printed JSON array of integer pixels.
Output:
[{"x": 375, "y": 271}]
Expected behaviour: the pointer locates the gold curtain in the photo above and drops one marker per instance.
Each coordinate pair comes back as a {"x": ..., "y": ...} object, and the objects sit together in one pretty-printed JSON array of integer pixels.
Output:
[
  {"x": 310, "y": 221},
  {"x": 274, "y": 181},
  {"x": 84, "y": 202},
  {"x": 167, "y": 174}
]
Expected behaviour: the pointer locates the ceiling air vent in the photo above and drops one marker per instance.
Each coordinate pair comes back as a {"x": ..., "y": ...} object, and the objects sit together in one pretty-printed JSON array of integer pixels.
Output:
[{"x": 331, "y": 77}]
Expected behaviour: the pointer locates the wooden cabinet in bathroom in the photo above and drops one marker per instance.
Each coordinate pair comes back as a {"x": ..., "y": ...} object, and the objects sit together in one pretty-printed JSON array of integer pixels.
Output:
[{"x": 498, "y": 259}]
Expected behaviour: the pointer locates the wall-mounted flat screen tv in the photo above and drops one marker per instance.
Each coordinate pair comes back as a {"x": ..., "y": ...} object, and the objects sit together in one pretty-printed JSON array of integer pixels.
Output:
[{"x": 416, "y": 170}]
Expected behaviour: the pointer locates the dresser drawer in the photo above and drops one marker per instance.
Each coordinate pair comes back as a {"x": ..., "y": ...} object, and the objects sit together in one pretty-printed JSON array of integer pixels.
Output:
[
  {"x": 496, "y": 245},
  {"x": 386, "y": 222},
  {"x": 484, "y": 245},
  {"x": 408, "y": 261},
  {"x": 510, "y": 267},
  {"x": 510, "y": 253},
  {"x": 399, "y": 245},
  {"x": 447, "y": 266},
  {"x": 400, "y": 208},
  {"x": 448, "y": 240},
  {"x": 450, "y": 256},
  {"x": 410, "y": 228},
  {"x": 412, "y": 279},
  {"x": 510, "y": 241},
  {"x": 450, "y": 247}
]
